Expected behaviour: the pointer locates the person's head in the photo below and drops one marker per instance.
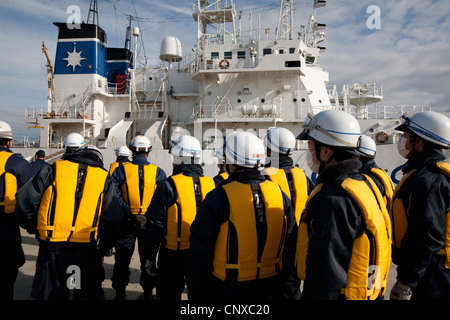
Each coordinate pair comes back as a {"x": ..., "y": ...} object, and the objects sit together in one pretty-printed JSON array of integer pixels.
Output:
[
  {"x": 244, "y": 150},
  {"x": 140, "y": 145},
  {"x": 367, "y": 148},
  {"x": 6, "y": 134},
  {"x": 185, "y": 149},
  {"x": 73, "y": 141},
  {"x": 331, "y": 134},
  {"x": 92, "y": 151},
  {"x": 423, "y": 131},
  {"x": 39, "y": 155},
  {"x": 279, "y": 141},
  {"x": 122, "y": 151}
]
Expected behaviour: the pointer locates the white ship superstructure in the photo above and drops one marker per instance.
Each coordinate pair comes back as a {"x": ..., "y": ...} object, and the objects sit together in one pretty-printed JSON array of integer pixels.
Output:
[{"x": 231, "y": 80}]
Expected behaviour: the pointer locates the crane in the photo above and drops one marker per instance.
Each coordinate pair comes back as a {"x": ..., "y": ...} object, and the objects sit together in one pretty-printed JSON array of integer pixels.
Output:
[{"x": 51, "y": 88}]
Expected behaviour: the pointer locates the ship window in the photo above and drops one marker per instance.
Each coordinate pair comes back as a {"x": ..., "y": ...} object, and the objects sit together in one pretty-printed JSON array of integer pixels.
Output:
[
  {"x": 214, "y": 55},
  {"x": 292, "y": 64},
  {"x": 291, "y": 50},
  {"x": 310, "y": 60},
  {"x": 241, "y": 54},
  {"x": 267, "y": 51},
  {"x": 228, "y": 55}
]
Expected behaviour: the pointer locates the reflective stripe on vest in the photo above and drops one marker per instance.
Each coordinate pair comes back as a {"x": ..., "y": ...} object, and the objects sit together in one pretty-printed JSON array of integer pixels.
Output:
[
  {"x": 249, "y": 245},
  {"x": 400, "y": 222},
  {"x": 70, "y": 207},
  {"x": 139, "y": 186},
  {"x": 9, "y": 181},
  {"x": 191, "y": 191},
  {"x": 293, "y": 182},
  {"x": 371, "y": 254}
]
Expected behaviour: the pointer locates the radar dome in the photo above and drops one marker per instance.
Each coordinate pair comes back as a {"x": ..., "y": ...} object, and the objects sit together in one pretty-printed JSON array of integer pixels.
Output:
[{"x": 170, "y": 49}]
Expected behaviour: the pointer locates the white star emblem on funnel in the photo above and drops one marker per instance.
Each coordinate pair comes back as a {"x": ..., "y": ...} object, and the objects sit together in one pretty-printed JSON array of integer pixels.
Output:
[{"x": 74, "y": 59}]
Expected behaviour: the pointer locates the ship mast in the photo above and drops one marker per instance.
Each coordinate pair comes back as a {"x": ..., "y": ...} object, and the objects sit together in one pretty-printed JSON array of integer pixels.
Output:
[
  {"x": 93, "y": 8},
  {"x": 215, "y": 14},
  {"x": 285, "y": 21}
]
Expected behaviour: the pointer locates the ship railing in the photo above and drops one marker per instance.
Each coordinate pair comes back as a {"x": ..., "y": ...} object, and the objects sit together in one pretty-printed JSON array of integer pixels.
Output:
[{"x": 384, "y": 112}]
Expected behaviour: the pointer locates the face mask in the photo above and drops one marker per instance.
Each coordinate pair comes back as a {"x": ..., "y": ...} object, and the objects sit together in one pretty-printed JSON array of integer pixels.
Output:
[
  {"x": 401, "y": 147},
  {"x": 313, "y": 166}
]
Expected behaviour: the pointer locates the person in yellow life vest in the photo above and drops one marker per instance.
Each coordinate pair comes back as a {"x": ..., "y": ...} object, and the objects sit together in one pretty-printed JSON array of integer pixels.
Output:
[
  {"x": 343, "y": 248},
  {"x": 14, "y": 172},
  {"x": 72, "y": 208},
  {"x": 420, "y": 210},
  {"x": 366, "y": 153},
  {"x": 280, "y": 143},
  {"x": 243, "y": 237},
  {"x": 222, "y": 175},
  {"x": 171, "y": 213},
  {"x": 122, "y": 156},
  {"x": 135, "y": 184}
]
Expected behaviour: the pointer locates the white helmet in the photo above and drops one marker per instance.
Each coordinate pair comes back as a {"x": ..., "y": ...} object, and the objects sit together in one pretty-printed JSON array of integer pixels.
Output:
[
  {"x": 140, "y": 143},
  {"x": 123, "y": 151},
  {"x": 187, "y": 147},
  {"x": 5, "y": 131},
  {"x": 280, "y": 140},
  {"x": 245, "y": 149},
  {"x": 368, "y": 147},
  {"x": 73, "y": 140},
  {"x": 332, "y": 128},
  {"x": 91, "y": 149},
  {"x": 429, "y": 125}
]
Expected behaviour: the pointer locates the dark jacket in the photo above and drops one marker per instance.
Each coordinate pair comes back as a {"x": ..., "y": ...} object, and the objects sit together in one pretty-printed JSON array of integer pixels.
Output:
[
  {"x": 38, "y": 165},
  {"x": 426, "y": 198},
  {"x": 29, "y": 197},
  {"x": 214, "y": 211},
  {"x": 11, "y": 252},
  {"x": 334, "y": 220}
]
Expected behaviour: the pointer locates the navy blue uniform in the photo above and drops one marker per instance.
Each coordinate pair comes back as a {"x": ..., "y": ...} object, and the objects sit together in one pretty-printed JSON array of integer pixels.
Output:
[
  {"x": 54, "y": 258},
  {"x": 214, "y": 211},
  {"x": 131, "y": 230},
  {"x": 11, "y": 252},
  {"x": 426, "y": 197},
  {"x": 171, "y": 263}
]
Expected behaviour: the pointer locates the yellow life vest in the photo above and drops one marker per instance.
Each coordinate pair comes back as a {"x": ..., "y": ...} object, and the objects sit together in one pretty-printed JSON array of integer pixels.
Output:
[
  {"x": 293, "y": 182},
  {"x": 387, "y": 183},
  {"x": 70, "y": 207},
  {"x": 8, "y": 198},
  {"x": 249, "y": 245},
  {"x": 114, "y": 166},
  {"x": 400, "y": 222},
  {"x": 191, "y": 191},
  {"x": 139, "y": 186},
  {"x": 371, "y": 255}
]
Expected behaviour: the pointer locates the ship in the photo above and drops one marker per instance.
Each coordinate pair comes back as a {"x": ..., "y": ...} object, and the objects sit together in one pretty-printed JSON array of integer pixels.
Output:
[{"x": 230, "y": 80}]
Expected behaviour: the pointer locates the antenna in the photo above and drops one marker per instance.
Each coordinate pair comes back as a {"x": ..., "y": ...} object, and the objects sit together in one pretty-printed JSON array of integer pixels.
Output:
[{"x": 93, "y": 8}]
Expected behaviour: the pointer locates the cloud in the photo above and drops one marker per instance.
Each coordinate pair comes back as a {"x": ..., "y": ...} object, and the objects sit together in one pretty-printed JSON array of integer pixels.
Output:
[{"x": 408, "y": 55}]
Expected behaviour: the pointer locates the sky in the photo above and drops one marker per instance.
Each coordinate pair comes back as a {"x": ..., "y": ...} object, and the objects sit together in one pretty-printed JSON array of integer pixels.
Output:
[{"x": 403, "y": 45}]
